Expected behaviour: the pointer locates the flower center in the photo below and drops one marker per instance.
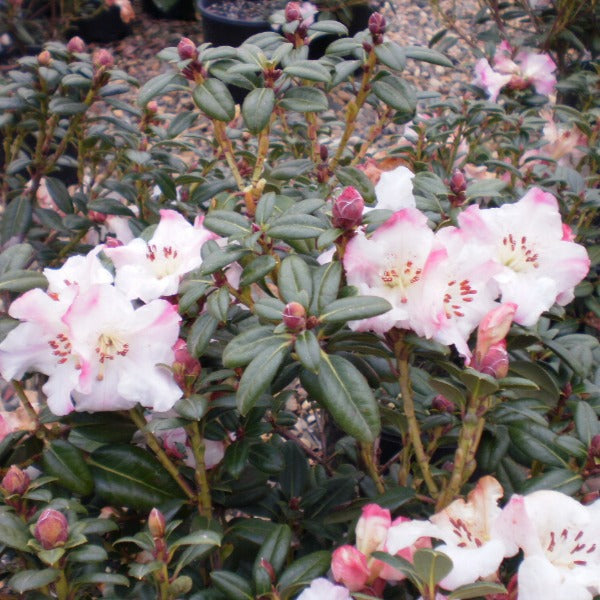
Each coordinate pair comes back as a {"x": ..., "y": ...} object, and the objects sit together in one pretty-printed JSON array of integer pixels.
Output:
[
  {"x": 464, "y": 534},
  {"x": 163, "y": 258},
  {"x": 110, "y": 346},
  {"x": 401, "y": 276},
  {"x": 569, "y": 549},
  {"x": 456, "y": 294},
  {"x": 520, "y": 255}
]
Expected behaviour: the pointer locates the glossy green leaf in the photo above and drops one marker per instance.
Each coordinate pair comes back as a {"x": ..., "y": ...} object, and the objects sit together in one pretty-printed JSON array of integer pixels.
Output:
[
  {"x": 65, "y": 462},
  {"x": 236, "y": 457},
  {"x": 200, "y": 334},
  {"x": 59, "y": 193},
  {"x": 89, "y": 553},
  {"x": 217, "y": 304},
  {"x": 22, "y": 281},
  {"x": 192, "y": 407},
  {"x": 13, "y": 531},
  {"x": 538, "y": 443},
  {"x": 308, "y": 350},
  {"x": 399, "y": 563},
  {"x": 478, "y": 383},
  {"x": 274, "y": 551},
  {"x": 227, "y": 223},
  {"x": 326, "y": 284},
  {"x": 295, "y": 280},
  {"x": 214, "y": 99},
  {"x": 257, "y": 109},
  {"x": 587, "y": 424},
  {"x": 259, "y": 374},
  {"x": 32, "y": 579},
  {"x": 396, "y": 93},
  {"x": 232, "y": 585},
  {"x": 311, "y": 70},
  {"x": 354, "y": 308},
  {"x": 152, "y": 88},
  {"x": 107, "y": 578},
  {"x": 303, "y": 571},
  {"x": 291, "y": 169},
  {"x": 425, "y": 54},
  {"x": 448, "y": 390},
  {"x": 294, "y": 477},
  {"x": 129, "y": 476},
  {"x": 16, "y": 217},
  {"x": 357, "y": 178},
  {"x": 16, "y": 258},
  {"x": 344, "y": 392},
  {"x": 391, "y": 55},
  {"x": 256, "y": 269},
  {"x": 560, "y": 480},
  {"x": 202, "y": 537},
  {"x": 244, "y": 347},
  {"x": 266, "y": 458},
  {"x": 431, "y": 566},
  {"x": 304, "y": 99},
  {"x": 269, "y": 309}
]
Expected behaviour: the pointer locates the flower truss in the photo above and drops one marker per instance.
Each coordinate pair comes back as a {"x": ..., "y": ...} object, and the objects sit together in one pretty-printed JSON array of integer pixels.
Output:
[{"x": 441, "y": 285}]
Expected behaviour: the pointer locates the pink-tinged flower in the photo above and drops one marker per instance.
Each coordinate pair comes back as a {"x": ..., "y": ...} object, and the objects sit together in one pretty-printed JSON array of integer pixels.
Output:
[
  {"x": 488, "y": 79},
  {"x": 538, "y": 267},
  {"x": 457, "y": 291},
  {"x": 390, "y": 264},
  {"x": 177, "y": 444},
  {"x": 157, "y": 523},
  {"x": 394, "y": 190},
  {"x": 560, "y": 539},
  {"x": 537, "y": 70},
  {"x": 323, "y": 589},
  {"x": 495, "y": 362},
  {"x": 493, "y": 328},
  {"x": 51, "y": 529},
  {"x": 149, "y": 270},
  {"x": 349, "y": 567},
  {"x": 372, "y": 528},
  {"x": 114, "y": 343}
]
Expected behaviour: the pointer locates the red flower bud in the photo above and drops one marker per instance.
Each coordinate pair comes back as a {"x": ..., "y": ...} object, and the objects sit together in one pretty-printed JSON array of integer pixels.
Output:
[
  {"x": 458, "y": 183},
  {"x": 377, "y": 24},
  {"x": 76, "y": 44},
  {"x": 44, "y": 58},
  {"x": 293, "y": 12},
  {"x": 187, "y": 49},
  {"x": 323, "y": 152},
  {"x": 185, "y": 364},
  {"x": 594, "y": 450},
  {"x": 442, "y": 404},
  {"x": 494, "y": 362},
  {"x": 15, "y": 481},
  {"x": 156, "y": 523},
  {"x": 348, "y": 209},
  {"x": 294, "y": 316},
  {"x": 103, "y": 58},
  {"x": 51, "y": 529}
]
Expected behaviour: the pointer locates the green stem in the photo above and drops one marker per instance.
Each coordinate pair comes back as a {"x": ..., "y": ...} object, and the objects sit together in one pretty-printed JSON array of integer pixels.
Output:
[
  {"x": 162, "y": 456},
  {"x": 227, "y": 149},
  {"x": 402, "y": 352},
  {"x": 198, "y": 449},
  {"x": 366, "y": 451},
  {"x": 62, "y": 586}
]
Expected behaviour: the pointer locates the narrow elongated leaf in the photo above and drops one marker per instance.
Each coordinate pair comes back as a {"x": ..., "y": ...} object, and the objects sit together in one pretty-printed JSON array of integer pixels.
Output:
[
  {"x": 15, "y": 258},
  {"x": 295, "y": 280},
  {"x": 202, "y": 537},
  {"x": 59, "y": 193},
  {"x": 303, "y": 571},
  {"x": 258, "y": 268},
  {"x": 294, "y": 477},
  {"x": 396, "y": 93},
  {"x": 22, "y": 281},
  {"x": 244, "y": 347},
  {"x": 152, "y": 88},
  {"x": 357, "y": 178},
  {"x": 397, "y": 562},
  {"x": 258, "y": 375},
  {"x": 426, "y": 55},
  {"x": 266, "y": 458},
  {"x": 327, "y": 279},
  {"x": 13, "y": 531},
  {"x": 232, "y": 585},
  {"x": 354, "y": 308},
  {"x": 257, "y": 109},
  {"x": 476, "y": 590},
  {"x": 214, "y": 99},
  {"x": 538, "y": 443},
  {"x": 16, "y": 218},
  {"x": 308, "y": 350},
  {"x": 32, "y": 579},
  {"x": 273, "y": 551},
  {"x": 201, "y": 332},
  {"x": 586, "y": 422},
  {"x": 296, "y": 227},
  {"x": 312, "y": 70},
  {"x": 227, "y": 223},
  {"x": 129, "y": 476},
  {"x": 290, "y": 169},
  {"x": 65, "y": 462},
  {"x": 391, "y": 55},
  {"x": 345, "y": 393}
]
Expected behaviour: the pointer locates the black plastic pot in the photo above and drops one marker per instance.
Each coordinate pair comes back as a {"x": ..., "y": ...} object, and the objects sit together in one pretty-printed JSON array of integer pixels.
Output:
[
  {"x": 104, "y": 27},
  {"x": 182, "y": 10},
  {"x": 223, "y": 31}
]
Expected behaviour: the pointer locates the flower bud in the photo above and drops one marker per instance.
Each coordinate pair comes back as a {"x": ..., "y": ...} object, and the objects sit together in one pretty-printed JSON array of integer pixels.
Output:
[
  {"x": 323, "y": 152},
  {"x": 152, "y": 107},
  {"x": 15, "y": 481},
  {"x": 348, "y": 209},
  {"x": 442, "y": 404},
  {"x": 44, "y": 58},
  {"x": 187, "y": 49},
  {"x": 51, "y": 529},
  {"x": 493, "y": 328},
  {"x": 494, "y": 362},
  {"x": 185, "y": 364},
  {"x": 156, "y": 523},
  {"x": 372, "y": 528},
  {"x": 293, "y": 12},
  {"x": 377, "y": 24},
  {"x": 594, "y": 450},
  {"x": 294, "y": 316},
  {"x": 349, "y": 567},
  {"x": 76, "y": 44},
  {"x": 458, "y": 183},
  {"x": 103, "y": 58}
]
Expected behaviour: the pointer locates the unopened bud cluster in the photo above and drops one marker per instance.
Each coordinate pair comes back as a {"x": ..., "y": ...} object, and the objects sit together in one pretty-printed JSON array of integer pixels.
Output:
[
  {"x": 51, "y": 529},
  {"x": 193, "y": 71},
  {"x": 348, "y": 208}
]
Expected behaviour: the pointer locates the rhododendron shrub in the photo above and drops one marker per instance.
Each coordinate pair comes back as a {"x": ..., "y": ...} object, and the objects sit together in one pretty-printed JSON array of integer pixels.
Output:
[{"x": 278, "y": 346}]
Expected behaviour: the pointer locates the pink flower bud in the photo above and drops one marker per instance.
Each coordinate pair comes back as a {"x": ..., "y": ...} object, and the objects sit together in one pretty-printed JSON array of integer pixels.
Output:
[
  {"x": 349, "y": 567},
  {"x": 15, "y": 481},
  {"x": 187, "y": 49},
  {"x": 185, "y": 364},
  {"x": 458, "y": 183},
  {"x": 51, "y": 529},
  {"x": 377, "y": 24},
  {"x": 593, "y": 452},
  {"x": 494, "y": 362},
  {"x": 103, "y": 58},
  {"x": 294, "y": 316},
  {"x": 493, "y": 328},
  {"x": 293, "y": 12},
  {"x": 76, "y": 44},
  {"x": 44, "y": 58},
  {"x": 442, "y": 404},
  {"x": 348, "y": 209},
  {"x": 323, "y": 152},
  {"x": 372, "y": 528},
  {"x": 152, "y": 107},
  {"x": 156, "y": 523}
]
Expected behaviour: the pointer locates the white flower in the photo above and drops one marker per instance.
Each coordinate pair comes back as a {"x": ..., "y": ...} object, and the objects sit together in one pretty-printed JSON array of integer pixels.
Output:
[
  {"x": 323, "y": 589},
  {"x": 394, "y": 190}
]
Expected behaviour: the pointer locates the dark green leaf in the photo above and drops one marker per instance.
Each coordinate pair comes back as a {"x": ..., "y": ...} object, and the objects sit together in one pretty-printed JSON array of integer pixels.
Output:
[
  {"x": 22, "y": 281},
  {"x": 308, "y": 350},
  {"x": 295, "y": 227},
  {"x": 560, "y": 480},
  {"x": 586, "y": 422},
  {"x": 13, "y": 532},
  {"x": 345, "y": 393},
  {"x": 32, "y": 579},
  {"x": 65, "y": 462},
  {"x": 227, "y": 223},
  {"x": 311, "y": 70},
  {"x": 204, "y": 537},
  {"x": 214, "y": 99},
  {"x": 291, "y": 169},
  {"x": 152, "y": 88},
  {"x": 357, "y": 178},
  {"x": 426, "y": 55},
  {"x": 201, "y": 332},
  {"x": 59, "y": 193},
  {"x": 391, "y": 55},
  {"x": 354, "y": 308},
  {"x": 16, "y": 218},
  {"x": 266, "y": 458},
  {"x": 88, "y": 554},
  {"x": 538, "y": 443},
  {"x": 15, "y": 258},
  {"x": 294, "y": 477},
  {"x": 476, "y": 590},
  {"x": 274, "y": 551},
  {"x": 304, "y": 99},
  {"x": 295, "y": 280},
  {"x": 217, "y": 304},
  {"x": 431, "y": 566},
  {"x": 303, "y": 571},
  {"x": 256, "y": 269},
  {"x": 327, "y": 279},
  {"x": 257, "y": 109},
  {"x": 244, "y": 347},
  {"x": 396, "y": 93},
  {"x": 232, "y": 585}
]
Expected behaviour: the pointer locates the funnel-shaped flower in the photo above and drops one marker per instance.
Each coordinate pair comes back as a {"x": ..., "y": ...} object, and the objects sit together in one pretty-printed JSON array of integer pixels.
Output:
[{"x": 321, "y": 589}]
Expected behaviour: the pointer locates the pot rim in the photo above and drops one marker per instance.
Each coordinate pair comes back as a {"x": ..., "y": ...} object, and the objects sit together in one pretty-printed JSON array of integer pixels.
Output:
[{"x": 204, "y": 11}]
